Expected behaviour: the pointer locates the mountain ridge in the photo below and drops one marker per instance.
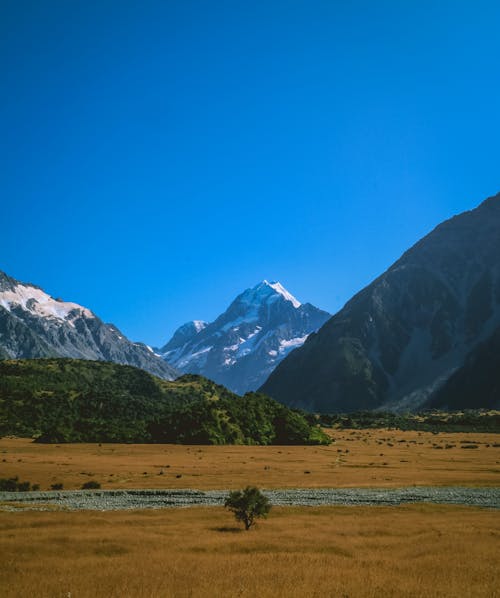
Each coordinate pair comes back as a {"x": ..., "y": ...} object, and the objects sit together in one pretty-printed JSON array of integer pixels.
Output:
[
  {"x": 402, "y": 336},
  {"x": 244, "y": 343},
  {"x": 35, "y": 325}
]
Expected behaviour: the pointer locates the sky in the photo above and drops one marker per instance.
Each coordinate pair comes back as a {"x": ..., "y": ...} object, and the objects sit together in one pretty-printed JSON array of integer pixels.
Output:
[{"x": 159, "y": 157}]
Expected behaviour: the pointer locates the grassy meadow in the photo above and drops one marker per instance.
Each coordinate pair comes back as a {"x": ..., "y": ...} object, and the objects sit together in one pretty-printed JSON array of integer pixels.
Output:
[
  {"x": 346, "y": 552},
  {"x": 413, "y": 550},
  {"x": 357, "y": 458}
]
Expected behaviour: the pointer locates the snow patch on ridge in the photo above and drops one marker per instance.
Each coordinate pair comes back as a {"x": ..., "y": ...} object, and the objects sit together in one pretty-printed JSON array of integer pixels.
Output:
[
  {"x": 199, "y": 358},
  {"x": 41, "y": 304},
  {"x": 280, "y": 289},
  {"x": 287, "y": 345}
]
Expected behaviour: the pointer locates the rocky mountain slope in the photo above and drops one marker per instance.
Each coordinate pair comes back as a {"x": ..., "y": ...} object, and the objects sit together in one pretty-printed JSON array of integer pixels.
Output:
[
  {"x": 401, "y": 338},
  {"x": 34, "y": 324},
  {"x": 244, "y": 344},
  {"x": 477, "y": 380}
]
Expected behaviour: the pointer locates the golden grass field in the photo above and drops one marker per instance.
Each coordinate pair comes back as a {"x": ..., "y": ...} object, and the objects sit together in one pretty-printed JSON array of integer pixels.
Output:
[
  {"x": 383, "y": 458},
  {"x": 344, "y": 552}
]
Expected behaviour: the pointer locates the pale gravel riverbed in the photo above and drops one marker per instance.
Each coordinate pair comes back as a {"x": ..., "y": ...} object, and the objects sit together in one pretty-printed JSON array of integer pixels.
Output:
[{"x": 115, "y": 500}]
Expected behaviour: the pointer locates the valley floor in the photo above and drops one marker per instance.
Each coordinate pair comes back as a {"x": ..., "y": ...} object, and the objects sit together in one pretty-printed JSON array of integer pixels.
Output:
[
  {"x": 344, "y": 551},
  {"x": 411, "y": 550},
  {"x": 357, "y": 458}
]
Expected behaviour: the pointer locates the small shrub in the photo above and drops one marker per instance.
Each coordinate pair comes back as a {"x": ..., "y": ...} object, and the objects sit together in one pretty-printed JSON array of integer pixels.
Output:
[
  {"x": 57, "y": 486},
  {"x": 91, "y": 485},
  {"x": 247, "y": 505}
]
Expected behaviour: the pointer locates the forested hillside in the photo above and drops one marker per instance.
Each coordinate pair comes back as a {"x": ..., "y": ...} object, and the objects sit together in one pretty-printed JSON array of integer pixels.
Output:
[{"x": 69, "y": 400}]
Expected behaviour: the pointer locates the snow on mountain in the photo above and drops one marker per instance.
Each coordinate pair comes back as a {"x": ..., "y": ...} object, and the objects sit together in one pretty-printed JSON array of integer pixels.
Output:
[
  {"x": 198, "y": 325},
  {"x": 283, "y": 292},
  {"x": 245, "y": 343},
  {"x": 36, "y": 301},
  {"x": 33, "y": 324}
]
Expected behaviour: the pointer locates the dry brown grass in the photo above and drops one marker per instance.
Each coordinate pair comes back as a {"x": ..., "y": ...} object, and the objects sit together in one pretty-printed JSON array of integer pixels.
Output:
[
  {"x": 356, "y": 458},
  {"x": 417, "y": 550}
]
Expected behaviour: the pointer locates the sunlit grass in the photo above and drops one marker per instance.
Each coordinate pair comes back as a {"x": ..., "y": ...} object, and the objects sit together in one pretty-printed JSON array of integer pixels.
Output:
[
  {"x": 380, "y": 458},
  {"x": 417, "y": 550}
]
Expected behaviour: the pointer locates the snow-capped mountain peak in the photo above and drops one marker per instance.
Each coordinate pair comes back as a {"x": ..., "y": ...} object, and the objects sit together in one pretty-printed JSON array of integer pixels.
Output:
[
  {"x": 199, "y": 325},
  {"x": 246, "y": 342},
  {"x": 33, "y": 324},
  {"x": 264, "y": 293},
  {"x": 35, "y": 301},
  {"x": 280, "y": 289}
]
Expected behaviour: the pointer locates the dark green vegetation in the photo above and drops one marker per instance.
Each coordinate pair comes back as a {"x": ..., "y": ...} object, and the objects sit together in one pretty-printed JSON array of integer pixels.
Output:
[
  {"x": 466, "y": 421},
  {"x": 69, "y": 400},
  {"x": 91, "y": 485},
  {"x": 247, "y": 505},
  {"x": 14, "y": 485}
]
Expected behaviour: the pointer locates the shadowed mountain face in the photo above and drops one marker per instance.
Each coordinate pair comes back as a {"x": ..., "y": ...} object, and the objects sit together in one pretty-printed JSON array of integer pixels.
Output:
[
  {"x": 476, "y": 383},
  {"x": 245, "y": 343},
  {"x": 33, "y": 324},
  {"x": 402, "y": 337}
]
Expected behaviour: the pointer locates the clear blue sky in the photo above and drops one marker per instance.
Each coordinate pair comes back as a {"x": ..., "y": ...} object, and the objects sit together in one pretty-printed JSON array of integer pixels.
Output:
[{"x": 158, "y": 157}]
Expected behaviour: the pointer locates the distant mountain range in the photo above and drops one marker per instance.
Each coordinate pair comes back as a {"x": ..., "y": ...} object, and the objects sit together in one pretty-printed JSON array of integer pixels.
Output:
[
  {"x": 33, "y": 324},
  {"x": 425, "y": 333},
  {"x": 245, "y": 343}
]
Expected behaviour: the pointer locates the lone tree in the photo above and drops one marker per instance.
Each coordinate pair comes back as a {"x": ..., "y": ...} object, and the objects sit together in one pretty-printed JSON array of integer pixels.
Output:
[{"x": 248, "y": 504}]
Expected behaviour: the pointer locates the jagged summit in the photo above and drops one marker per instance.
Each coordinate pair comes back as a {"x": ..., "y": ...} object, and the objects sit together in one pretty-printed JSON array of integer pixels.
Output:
[
  {"x": 267, "y": 291},
  {"x": 33, "y": 324},
  {"x": 244, "y": 344},
  {"x": 16, "y": 296},
  {"x": 183, "y": 334}
]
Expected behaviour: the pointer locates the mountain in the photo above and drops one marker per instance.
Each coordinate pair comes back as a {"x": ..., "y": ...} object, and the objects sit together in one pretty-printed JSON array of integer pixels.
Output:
[
  {"x": 34, "y": 324},
  {"x": 401, "y": 338},
  {"x": 183, "y": 335},
  {"x": 71, "y": 400},
  {"x": 477, "y": 379},
  {"x": 244, "y": 344}
]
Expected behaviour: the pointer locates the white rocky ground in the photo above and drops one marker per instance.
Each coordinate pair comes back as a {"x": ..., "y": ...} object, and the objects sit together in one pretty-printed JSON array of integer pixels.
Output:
[{"x": 112, "y": 500}]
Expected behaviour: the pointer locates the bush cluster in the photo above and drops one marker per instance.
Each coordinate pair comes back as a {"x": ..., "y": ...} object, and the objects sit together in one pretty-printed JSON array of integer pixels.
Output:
[
  {"x": 429, "y": 421},
  {"x": 91, "y": 485},
  {"x": 14, "y": 485}
]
